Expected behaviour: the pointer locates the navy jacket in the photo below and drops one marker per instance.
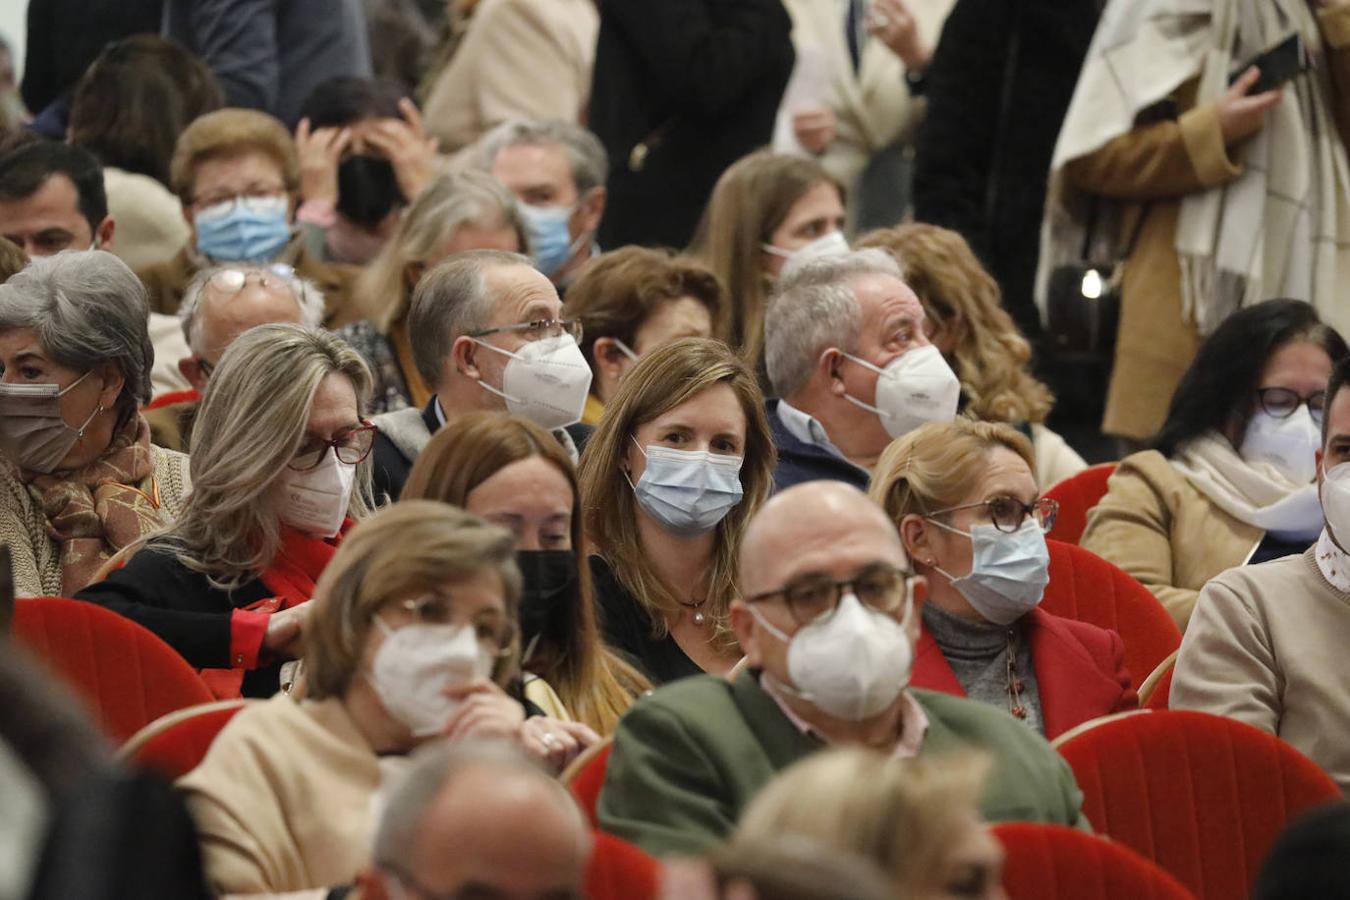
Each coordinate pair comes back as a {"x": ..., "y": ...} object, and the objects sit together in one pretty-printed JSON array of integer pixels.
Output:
[{"x": 799, "y": 461}]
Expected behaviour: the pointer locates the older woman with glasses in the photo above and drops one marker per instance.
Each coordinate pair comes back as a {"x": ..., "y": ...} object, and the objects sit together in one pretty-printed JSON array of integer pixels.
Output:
[
  {"x": 967, "y": 506},
  {"x": 276, "y": 481}
]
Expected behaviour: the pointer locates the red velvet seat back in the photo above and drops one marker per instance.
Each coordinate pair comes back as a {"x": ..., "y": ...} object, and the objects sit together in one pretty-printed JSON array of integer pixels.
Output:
[
  {"x": 126, "y": 675},
  {"x": 1162, "y": 690},
  {"x": 175, "y": 744},
  {"x": 1085, "y": 587},
  {"x": 1202, "y": 796},
  {"x": 617, "y": 870},
  {"x": 187, "y": 395},
  {"x": 1051, "y": 862},
  {"x": 585, "y": 782},
  {"x": 1077, "y": 494}
]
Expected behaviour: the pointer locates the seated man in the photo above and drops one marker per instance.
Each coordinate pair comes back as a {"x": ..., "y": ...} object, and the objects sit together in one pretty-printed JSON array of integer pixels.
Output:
[
  {"x": 846, "y": 351},
  {"x": 1266, "y": 643},
  {"x": 477, "y": 820},
  {"x": 220, "y": 304},
  {"x": 557, "y": 171},
  {"x": 237, "y": 175},
  {"x": 487, "y": 334},
  {"x": 828, "y": 623},
  {"x": 52, "y": 199}
]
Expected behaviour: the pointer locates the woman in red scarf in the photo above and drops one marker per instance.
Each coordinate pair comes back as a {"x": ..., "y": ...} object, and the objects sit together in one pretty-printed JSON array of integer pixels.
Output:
[{"x": 277, "y": 479}]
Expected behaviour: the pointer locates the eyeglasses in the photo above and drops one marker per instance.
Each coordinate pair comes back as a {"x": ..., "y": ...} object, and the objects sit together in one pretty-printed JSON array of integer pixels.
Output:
[
  {"x": 231, "y": 281},
  {"x": 537, "y": 330},
  {"x": 351, "y": 447},
  {"x": 1008, "y": 513},
  {"x": 1283, "y": 402},
  {"x": 256, "y": 192},
  {"x": 813, "y": 598},
  {"x": 439, "y": 609}
]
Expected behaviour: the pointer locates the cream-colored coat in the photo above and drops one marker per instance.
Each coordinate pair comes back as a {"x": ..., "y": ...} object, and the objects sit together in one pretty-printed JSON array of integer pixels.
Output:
[
  {"x": 1055, "y": 459},
  {"x": 1266, "y": 646},
  {"x": 1155, "y": 525}
]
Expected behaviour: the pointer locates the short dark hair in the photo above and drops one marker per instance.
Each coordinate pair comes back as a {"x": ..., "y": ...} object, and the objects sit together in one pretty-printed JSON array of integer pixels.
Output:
[
  {"x": 1340, "y": 375},
  {"x": 24, "y": 169},
  {"x": 347, "y": 99},
  {"x": 1308, "y": 859},
  {"x": 1218, "y": 391}
]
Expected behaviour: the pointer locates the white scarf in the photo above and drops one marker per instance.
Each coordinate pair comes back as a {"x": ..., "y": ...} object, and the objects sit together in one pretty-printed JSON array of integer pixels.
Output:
[
  {"x": 1255, "y": 493},
  {"x": 1271, "y": 232}
]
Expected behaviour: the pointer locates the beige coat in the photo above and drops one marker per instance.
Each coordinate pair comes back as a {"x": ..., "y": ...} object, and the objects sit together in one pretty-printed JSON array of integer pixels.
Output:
[
  {"x": 1267, "y": 647},
  {"x": 1155, "y": 525},
  {"x": 519, "y": 59},
  {"x": 1055, "y": 459}
]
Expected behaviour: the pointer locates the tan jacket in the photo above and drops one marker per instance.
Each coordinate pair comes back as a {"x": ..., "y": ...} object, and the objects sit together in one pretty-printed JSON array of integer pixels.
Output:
[
  {"x": 1267, "y": 647},
  {"x": 519, "y": 59},
  {"x": 1155, "y": 525}
]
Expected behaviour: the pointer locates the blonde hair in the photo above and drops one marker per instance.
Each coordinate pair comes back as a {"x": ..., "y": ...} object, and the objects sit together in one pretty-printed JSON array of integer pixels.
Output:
[
  {"x": 660, "y": 381},
  {"x": 230, "y": 132},
  {"x": 935, "y": 465},
  {"x": 749, "y": 203},
  {"x": 407, "y": 549},
  {"x": 991, "y": 357},
  {"x": 595, "y": 685},
  {"x": 251, "y": 421},
  {"x": 903, "y": 814}
]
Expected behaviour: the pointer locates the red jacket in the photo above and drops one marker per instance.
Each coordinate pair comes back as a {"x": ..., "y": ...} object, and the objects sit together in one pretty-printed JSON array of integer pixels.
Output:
[{"x": 1080, "y": 670}]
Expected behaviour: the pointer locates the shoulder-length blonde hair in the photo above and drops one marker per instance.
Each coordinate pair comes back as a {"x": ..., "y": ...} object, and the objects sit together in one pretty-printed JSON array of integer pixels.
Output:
[
  {"x": 750, "y": 201},
  {"x": 991, "y": 357},
  {"x": 251, "y": 422},
  {"x": 660, "y": 381},
  {"x": 595, "y": 685},
  {"x": 906, "y": 815}
]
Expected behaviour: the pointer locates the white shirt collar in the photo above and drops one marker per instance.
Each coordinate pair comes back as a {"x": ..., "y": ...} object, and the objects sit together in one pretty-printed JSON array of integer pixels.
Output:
[{"x": 806, "y": 428}]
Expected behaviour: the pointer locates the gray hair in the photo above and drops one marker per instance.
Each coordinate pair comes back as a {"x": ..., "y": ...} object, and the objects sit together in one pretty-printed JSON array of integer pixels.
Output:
[
  {"x": 87, "y": 309},
  {"x": 308, "y": 298},
  {"x": 434, "y": 766},
  {"x": 813, "y": 308},
  {"x": 585, "y": 154},
  {"x": 450, "y": 301}
]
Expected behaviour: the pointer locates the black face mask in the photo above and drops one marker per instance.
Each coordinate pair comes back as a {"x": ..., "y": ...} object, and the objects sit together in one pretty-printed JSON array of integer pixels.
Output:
[
  {"x": 367, "y": 189},
  {"x": 549, "y": 590}
]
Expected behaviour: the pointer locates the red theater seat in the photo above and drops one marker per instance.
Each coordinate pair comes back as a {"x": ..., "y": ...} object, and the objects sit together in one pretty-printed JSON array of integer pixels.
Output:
[
  {"x": 175, "y": 744},
  {"x": 187, "y": 395},
  {"x": 620, "y": 871},
  {"x": 1051, "y": 862},
  {"x": 1077, "y": 494},
  {"x": 586, "y": 775},
  {"x": 1157, "y": 690}
]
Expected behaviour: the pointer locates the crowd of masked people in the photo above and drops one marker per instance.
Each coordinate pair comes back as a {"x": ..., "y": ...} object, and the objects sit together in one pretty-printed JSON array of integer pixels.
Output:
[{"x": 474, "y": 385}]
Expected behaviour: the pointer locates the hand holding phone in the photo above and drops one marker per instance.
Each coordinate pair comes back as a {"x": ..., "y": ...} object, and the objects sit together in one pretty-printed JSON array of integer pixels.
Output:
[{"x": 1287, "y": 59}]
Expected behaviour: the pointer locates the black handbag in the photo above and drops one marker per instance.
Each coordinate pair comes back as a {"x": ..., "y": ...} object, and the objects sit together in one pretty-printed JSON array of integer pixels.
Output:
[{"x": 1082, "y": 311}]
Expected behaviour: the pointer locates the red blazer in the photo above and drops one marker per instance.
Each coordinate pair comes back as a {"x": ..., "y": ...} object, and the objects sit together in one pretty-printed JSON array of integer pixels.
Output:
[{"x": 1080, "y": 670}]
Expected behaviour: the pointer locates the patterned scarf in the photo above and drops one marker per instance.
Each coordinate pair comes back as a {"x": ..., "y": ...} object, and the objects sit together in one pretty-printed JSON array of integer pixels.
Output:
[{"x": 96, "y": 511}]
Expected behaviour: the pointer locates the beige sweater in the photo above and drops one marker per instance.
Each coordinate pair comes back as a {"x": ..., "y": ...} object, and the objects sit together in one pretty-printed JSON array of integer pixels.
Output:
[{"x": 1266, "y": 646}]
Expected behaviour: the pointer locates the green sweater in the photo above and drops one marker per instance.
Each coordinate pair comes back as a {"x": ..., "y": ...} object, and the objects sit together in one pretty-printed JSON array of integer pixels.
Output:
[{"x": 688, "y": 759}]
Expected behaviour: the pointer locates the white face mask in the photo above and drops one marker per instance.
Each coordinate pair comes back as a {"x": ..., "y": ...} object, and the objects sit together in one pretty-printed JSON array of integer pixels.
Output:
[
  {"x": 832, "y": 244},
  {"x": 1288, "y": 444},
  {"x": 852, "y": 665},
  {"x": 1008, "y": 572},
  {"x": 315, "y": 501},
  {"x": 33, "y": 433},
  {"x": 415, "y": 665},
  {"x": 546, "y": 381},
  {"x": 915, "y": 388}
]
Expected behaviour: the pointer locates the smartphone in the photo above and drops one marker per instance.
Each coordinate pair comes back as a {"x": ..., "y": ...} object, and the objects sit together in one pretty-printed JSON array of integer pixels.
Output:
[{"x": 1280, "y": 63}]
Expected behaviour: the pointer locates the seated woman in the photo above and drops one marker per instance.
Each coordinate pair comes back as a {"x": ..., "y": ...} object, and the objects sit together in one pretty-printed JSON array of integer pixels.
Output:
[
  {"x": 631, "y": 301},
  {"x": 276, "y": 480},
  {"x": 468, "y": 211},
  {"x": 79, "y": 478},
  {"x": 968, "y": 509},
  {"x": 966, "y": 321},
  {"x": 681, "y": 461},
  {"x": 1228, "y": 480},
  {"x": 412, "y": 635},
  {"x": 767, "y": 209},
  {"x": 516, "y": 475},
  {"x": 917, "y": 818}
]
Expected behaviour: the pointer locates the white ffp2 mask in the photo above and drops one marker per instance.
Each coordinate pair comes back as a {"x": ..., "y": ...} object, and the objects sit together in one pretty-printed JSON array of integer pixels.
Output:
[
  {"x": 546, "y": 381},
  {"x": 315, "y": 501},
  {"x": 915, "y": 388},
  {"x": 414, "y": 666},
  {"x": 1289, "y": 444}
]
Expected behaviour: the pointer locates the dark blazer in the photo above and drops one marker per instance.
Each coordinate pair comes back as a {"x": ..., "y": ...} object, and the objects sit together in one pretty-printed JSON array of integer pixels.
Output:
[
  {"x": 688, "y": 758},
  {"x": 628, "y": 628},
  {"x": 65, "y": 36},
  {"x": 699, "y": 81},
  {"x": 799, "y": 461},
  {"x": 1080, "y": 670}
]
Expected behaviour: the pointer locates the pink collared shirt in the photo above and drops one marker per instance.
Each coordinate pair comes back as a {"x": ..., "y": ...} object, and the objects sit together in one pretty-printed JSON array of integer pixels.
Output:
[{"x": 913, "y": 721}]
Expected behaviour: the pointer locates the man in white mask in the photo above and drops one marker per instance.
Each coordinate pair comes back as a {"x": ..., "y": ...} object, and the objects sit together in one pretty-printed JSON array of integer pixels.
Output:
[
  {"x": 827, "y": 621},
  {"x": 487, "y": 333},
  {"x": 1266, "y": 644},
  {"x": 847, "y": 354}
]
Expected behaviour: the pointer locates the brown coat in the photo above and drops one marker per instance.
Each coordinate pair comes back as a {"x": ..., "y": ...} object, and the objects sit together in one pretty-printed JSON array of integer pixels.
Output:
[
  {"x": 1154, "y": 524},
  {"x": 171, "y": 425}
]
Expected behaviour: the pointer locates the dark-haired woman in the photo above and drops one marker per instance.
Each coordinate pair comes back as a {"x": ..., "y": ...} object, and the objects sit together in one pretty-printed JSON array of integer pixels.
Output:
[{"x": 1229, "y": 480}]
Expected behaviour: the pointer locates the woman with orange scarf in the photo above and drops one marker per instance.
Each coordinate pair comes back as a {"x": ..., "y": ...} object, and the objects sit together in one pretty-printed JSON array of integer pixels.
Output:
[{"x": 277, "y": 453}]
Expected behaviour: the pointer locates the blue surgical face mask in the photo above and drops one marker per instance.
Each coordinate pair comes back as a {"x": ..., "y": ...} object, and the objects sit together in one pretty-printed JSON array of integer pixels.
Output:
[
  {"x": 245, "y": 229},
  {"x": 1008, "y": 573},
  {"x": 550, "y": 238},
  {"x": 688, "y": 491}
]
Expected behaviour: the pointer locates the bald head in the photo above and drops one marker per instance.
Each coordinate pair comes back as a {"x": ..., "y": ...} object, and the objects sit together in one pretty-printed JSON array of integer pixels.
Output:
[{"x": 223, "y": 316}]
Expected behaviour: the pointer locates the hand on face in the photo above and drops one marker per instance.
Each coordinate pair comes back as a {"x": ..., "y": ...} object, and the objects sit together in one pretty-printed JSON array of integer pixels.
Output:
[
  {"x": 554, "y": 742},
  {"x": 485, "y": 711},
  {"x": 405, "y": 143}
]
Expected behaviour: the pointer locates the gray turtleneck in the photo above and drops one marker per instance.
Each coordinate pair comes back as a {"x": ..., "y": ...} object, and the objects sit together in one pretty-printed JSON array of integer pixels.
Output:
[{"x": 978, "y": 655}]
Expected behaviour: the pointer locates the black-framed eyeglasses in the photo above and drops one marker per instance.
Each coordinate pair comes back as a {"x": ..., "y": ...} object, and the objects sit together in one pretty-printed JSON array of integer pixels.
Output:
[
  {"x": 439, "y": 609},
  {"x": 1008, "y": 513},
  {"x": 812, "y": 598},
  {"x": 1284, "y": 402},
  {"x": 537, "y": 330},
  {"x": 351, "y": 447}
]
